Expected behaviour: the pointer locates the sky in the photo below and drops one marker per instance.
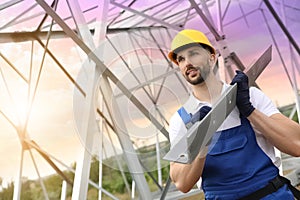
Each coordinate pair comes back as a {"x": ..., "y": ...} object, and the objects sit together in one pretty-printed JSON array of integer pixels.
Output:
[{"x": 52, "y": 123}]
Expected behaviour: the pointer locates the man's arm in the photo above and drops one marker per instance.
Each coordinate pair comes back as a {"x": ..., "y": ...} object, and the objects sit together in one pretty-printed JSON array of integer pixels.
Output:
[
  {"x": 185, "y": 176},
  {"x": 281, "y": 131}
]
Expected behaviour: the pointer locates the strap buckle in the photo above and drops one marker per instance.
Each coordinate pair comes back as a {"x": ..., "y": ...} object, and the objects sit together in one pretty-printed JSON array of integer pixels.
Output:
[{"x": 276, "y": 183}]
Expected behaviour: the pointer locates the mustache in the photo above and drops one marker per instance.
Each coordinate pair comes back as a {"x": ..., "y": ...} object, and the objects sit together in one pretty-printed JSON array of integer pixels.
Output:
[{"x": 187, "y": 71}]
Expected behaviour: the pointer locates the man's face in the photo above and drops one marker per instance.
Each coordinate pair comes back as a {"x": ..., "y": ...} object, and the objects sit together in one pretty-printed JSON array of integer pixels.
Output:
[{"x": 194, "y": 64}]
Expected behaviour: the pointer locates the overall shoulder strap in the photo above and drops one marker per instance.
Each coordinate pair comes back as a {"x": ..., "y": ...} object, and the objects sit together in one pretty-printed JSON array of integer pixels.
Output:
[{"x": 185, "y": 116}]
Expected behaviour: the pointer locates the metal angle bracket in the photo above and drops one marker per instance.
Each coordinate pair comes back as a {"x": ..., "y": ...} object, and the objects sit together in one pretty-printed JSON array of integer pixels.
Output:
[
  {"x": 198, "y": 136},
  {"x": 258, "y": 67},
  {"x": 202, "y": 131}
]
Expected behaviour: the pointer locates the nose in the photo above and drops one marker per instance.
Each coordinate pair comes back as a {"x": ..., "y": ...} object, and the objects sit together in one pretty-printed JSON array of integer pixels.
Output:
[{"x": 187, "y": 63}]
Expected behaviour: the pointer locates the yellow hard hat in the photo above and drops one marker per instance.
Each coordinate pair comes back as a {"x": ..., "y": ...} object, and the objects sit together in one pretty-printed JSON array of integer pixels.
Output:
[{"x": 186, "y": 38}]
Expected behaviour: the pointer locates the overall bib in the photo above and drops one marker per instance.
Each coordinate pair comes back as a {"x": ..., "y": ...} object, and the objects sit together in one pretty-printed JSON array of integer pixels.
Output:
[{"x": 236, "y": 166}]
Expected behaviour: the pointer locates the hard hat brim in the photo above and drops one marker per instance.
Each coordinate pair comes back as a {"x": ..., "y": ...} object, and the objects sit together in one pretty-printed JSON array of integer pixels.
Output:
[{"x": 173, "y": 54}]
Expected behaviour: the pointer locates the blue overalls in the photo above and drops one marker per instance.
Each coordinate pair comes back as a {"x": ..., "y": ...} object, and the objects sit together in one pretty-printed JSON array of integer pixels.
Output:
[{"x": 236, "y": 166}]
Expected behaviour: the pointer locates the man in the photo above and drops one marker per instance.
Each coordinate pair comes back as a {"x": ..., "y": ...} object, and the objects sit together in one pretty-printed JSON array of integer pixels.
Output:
[{"x": 241, "y": 163}]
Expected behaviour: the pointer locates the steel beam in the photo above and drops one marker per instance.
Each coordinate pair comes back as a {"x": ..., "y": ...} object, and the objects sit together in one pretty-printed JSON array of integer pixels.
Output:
[
  {"x": 104, "y": 70},
  {"x": 206, "y": 20},
  {"x": 87, "y": 124},
  {"x": 18, "y": 181},
  {"x": 147, "y": 16},
  {"x": 10, "y": 3},
  {"x": 282, "y": 26},
  {"x": 80, "y": 186}
]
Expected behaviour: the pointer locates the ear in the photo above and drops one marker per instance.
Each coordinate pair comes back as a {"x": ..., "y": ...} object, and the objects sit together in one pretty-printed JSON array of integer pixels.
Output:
[{"x": 212, "y": 58}]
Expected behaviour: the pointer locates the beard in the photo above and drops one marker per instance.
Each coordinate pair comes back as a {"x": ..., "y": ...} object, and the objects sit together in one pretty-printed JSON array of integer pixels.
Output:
[{"x": 201, "y": 77}]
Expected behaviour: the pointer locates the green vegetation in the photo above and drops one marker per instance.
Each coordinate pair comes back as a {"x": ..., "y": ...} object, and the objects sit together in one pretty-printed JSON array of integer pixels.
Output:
[
  {"x": 112, "y": 180},
  {"x": 286, "y": 110}
]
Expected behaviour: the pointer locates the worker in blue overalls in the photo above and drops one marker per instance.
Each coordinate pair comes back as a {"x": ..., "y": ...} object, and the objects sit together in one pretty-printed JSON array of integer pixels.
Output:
[{"x": 241, "y": 163}]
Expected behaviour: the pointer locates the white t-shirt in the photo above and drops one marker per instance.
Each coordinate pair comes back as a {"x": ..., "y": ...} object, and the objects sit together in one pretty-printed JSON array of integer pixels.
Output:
[{"x": 258, "y": 99}]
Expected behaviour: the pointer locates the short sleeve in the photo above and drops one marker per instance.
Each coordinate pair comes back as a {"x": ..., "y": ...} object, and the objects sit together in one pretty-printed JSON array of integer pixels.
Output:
[
  {"x": 262, "y": 102},
  {"x": 177, "y": 129}
]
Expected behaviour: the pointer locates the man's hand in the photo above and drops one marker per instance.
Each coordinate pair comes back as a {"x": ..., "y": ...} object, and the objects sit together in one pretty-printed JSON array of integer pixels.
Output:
[
  {"x": 242, "y": 98},
  {"x": 200, "y": 114}
]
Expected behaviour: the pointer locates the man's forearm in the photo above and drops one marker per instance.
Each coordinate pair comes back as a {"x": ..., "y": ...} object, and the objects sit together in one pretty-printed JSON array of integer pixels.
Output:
[
  {"x": 279, "y": 130},
  {"x": 185, "y": 176}
]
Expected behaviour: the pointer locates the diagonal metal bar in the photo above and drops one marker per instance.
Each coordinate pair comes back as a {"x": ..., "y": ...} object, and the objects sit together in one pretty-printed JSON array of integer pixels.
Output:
[
  {"x": 26, "y": 144},
  {"x": 206, "y": 21},
  {"x": 140, "y": 61},
  {"x": 237, "y": 61},
  {"x": 10, "y": 3},
  {"x": 53, "y": 5},
  {"x": 197, "y": 137},
  {"x": 126, "y": 18},
  {"x": 180, "y": 13},
  {"x": 30, "y": 104},
  {"x": 119, "y": 14},
  {"x": 147, "y": 16},
  {"x": 207, "y": 13},
  {"x": 82, "y": 169},
  {"x": 121, "y": 169},
  {"x": 106, "y": 120},
  {"x": 165, "y": 57},
  {"x": 169, "y": 63},
  {"x": 169, "y": 73},
  {"x": 105, "y": 71},
  {"x": 167, "y": 9},
  {"x": 9, "y": 121},
  {"x": 10, "y": 96},
  {"x": 39, "y": 176},
  {"x": 129, "y": 69},
  {"x": 277, "y": 48},
  {"x": 18, "y": 16},
  {"x": 34, "y": 145},
  {"x": 151, "y": 97},
  {"x": 259, "y": 66},
  {"x": 240, "y": 17},
  {"x": 282, "y": 26},
  {"x": 225, "y": 11},
  {"x": 30, "y": 142},
  {"x": 172, "y": 16},
  {"x": 166, "y": 188},
  {"x": 243, "y": 14},
  {"x": 13, "y": 67},
  {"x": 186, "y": 18},
  {"x": 62, "y": 67},
  {"x": 70, "y": 17}
]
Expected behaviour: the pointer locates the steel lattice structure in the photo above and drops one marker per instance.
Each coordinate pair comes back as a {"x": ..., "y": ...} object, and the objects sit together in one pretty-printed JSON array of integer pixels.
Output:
[{"x": 108, "y": 59}]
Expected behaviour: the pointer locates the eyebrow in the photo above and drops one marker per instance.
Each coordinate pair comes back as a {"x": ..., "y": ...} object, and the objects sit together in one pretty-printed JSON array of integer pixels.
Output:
[{"x": 190, "y": 51}]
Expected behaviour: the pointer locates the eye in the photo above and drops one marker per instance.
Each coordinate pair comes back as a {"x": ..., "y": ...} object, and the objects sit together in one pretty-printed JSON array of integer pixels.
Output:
[{"x": 180, "y": 59}]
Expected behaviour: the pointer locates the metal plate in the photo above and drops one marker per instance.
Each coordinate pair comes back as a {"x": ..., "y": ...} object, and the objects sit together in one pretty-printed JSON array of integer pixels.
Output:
[{"x": 202, "y": 131}]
